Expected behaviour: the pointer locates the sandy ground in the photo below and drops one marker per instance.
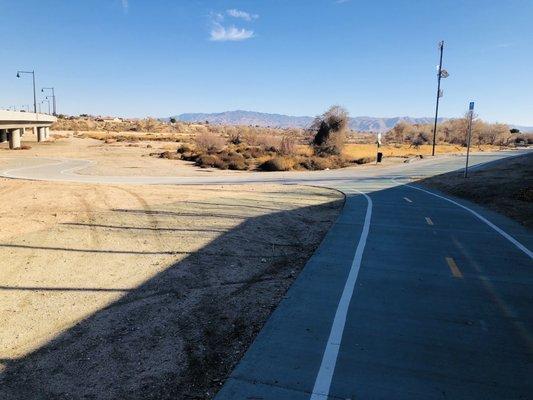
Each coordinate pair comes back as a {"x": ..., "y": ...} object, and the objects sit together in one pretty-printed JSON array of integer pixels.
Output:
[
  {"x": 143, "y": 292},
  {"x": 117, "y": 159},
  {"x": 505, "y": 186},
  {"x": 127, "y": 159}
]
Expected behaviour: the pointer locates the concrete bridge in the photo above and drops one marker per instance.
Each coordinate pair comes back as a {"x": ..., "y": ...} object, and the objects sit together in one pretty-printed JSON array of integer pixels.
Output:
[{"x": 13, "y": 125}]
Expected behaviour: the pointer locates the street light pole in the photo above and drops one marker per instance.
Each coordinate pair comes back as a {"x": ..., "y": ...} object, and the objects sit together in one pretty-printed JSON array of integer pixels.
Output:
[
  {"x": 53, "y": 97},
  {"x": 48, "y": 101},
  {"x": 441, "y": 47},
  {"x": 34, "y": 94}
]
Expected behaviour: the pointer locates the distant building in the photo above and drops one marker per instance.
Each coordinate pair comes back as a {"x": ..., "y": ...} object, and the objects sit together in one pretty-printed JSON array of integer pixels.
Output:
[{"x": 108, "y": 119}]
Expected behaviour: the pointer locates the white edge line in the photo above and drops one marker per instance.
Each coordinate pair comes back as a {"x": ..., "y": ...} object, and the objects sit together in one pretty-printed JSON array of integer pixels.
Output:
[
  {"x": 331, "y": 352},
  {"x": 520, "y": 246}
]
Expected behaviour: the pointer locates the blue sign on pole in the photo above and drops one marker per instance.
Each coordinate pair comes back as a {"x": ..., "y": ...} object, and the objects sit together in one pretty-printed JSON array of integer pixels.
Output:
[{"x": 471, "y": 106}]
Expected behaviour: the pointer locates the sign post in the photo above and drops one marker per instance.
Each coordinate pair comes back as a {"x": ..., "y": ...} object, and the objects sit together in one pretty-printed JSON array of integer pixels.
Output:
[{"x": 470, "y": 117}]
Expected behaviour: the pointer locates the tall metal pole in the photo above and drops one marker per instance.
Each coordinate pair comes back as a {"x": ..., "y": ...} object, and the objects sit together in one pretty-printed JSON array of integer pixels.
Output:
[
  {"x": 53, "y": 97},
  {"x": 470, "y": 117},
  {"x": 34, "y": 94},
  {"x": 48, "y": 100},
  {"x": 441, "y": 46}
]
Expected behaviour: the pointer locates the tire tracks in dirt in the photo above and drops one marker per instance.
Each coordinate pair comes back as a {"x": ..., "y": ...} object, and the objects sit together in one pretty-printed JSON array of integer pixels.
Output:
[{"x": 150, "y": 215}]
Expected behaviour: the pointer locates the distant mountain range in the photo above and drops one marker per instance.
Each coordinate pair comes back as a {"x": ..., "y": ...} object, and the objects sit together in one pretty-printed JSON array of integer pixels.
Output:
[{"x": 361, "y": 124}]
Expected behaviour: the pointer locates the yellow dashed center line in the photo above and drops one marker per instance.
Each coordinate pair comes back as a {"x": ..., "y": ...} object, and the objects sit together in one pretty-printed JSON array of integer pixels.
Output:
[
  {"x": 408, "y": 200},
  {"x": 429, "y": 221},
  {"x": 456, "y": 272}
]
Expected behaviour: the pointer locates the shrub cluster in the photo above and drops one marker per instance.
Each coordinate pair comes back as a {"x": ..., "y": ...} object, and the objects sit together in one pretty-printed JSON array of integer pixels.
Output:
[{"x": 454, "y": 131}]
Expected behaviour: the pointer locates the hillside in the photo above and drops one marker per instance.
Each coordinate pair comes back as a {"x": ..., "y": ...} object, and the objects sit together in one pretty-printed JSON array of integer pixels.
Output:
[
  {"x": 361, "y": 124},
  {"x": 240, "y": 117}
]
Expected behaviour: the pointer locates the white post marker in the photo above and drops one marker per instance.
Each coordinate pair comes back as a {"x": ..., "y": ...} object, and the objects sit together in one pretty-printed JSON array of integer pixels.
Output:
[{"x": 470, "y": 116}]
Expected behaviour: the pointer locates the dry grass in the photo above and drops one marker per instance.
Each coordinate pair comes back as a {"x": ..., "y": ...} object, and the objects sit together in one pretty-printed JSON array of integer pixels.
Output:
[
  {"x": 112, "y": 137},
  {"x": 356, "y": 151}
]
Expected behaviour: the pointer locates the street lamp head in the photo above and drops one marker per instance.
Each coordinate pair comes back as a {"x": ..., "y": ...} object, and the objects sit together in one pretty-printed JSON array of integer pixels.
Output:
[{"x": 18, "y": 74}]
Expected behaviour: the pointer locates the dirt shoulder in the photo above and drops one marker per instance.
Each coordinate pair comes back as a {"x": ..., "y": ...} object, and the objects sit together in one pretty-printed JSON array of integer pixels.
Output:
[
  {"x": 144, "y": 292},
  {"x": 505, "y": 186}
]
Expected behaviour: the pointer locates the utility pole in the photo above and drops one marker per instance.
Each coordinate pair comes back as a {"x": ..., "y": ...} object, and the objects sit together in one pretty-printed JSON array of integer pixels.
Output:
[
  {"x": 441, "y": 74},
  {"x": 470, "y": 117}
]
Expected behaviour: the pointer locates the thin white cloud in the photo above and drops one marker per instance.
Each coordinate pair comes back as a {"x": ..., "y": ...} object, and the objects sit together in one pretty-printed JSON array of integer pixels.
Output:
[
  {"x": 504, "y": 45},
  {"x": 341, "y": 1},
  {"x": 241, "y": 14},
  {"x": 125, "y": 5},
  {"x": 216, "y": 16},
  {"x": 221, "y": 33}
]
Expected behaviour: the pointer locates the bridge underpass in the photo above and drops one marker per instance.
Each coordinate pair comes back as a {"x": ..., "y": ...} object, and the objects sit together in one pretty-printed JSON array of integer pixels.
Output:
[{"x": 13, "y": 126}]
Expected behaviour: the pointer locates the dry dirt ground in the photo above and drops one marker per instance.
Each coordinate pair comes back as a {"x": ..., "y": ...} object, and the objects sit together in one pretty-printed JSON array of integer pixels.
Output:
[
  {"x": 506, "y": 186},
  {"x": 133, "y": 158},
  {"x": 143, "y": 292},
  {"x": 118, "y": 159}
]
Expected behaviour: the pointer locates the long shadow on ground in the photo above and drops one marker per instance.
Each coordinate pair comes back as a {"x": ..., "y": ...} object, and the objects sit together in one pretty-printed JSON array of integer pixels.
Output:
[{"x": 179, "y": 334}]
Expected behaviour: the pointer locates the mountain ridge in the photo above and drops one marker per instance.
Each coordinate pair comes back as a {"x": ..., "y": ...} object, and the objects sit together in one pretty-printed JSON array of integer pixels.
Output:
[{"x": 361, "y": 124}]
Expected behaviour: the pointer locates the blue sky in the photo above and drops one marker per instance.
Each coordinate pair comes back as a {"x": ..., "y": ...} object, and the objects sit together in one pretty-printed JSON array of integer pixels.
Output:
[{"x": 376, "y": 58}]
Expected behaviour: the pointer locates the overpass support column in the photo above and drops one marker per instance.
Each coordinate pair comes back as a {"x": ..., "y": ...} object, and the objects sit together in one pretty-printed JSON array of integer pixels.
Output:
[
  {"x": 40, "y": 134},
  {"x": 14, "y": 139},
  {"x": 3, "y": 135}
]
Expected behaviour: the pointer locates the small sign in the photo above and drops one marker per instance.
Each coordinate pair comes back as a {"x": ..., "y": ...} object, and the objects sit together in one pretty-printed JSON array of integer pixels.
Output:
[{"x": 471, "y": 108}]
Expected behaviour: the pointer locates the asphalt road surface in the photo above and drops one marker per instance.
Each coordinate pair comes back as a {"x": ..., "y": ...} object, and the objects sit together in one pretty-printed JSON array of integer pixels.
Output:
[{"x": 411, "y": 295}]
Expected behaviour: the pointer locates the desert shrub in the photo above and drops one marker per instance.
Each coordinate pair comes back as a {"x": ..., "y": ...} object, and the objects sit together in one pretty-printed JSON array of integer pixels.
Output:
[
  {"x": 453, "y": 131},
  {"x": 236, "y": 162},
  {"x": 170, "y": 155},
  {"x": 279, "y": 163},
  {"x": 287, "y": 146},
  {"x": 330, "y": 131},
  {"x": 184, "y": 148},
  {"x": 397, "y": 134},
  {"x": 420, "y": 139},
  {"x": 208, "y": 142},
  {"x": 234, "y": 135},
  {"x": 317, "y": 163},
  {"x": 208, "y": 160},
  {"x": 363, "y": 160},
  {"x": 259, "y": 137}
]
